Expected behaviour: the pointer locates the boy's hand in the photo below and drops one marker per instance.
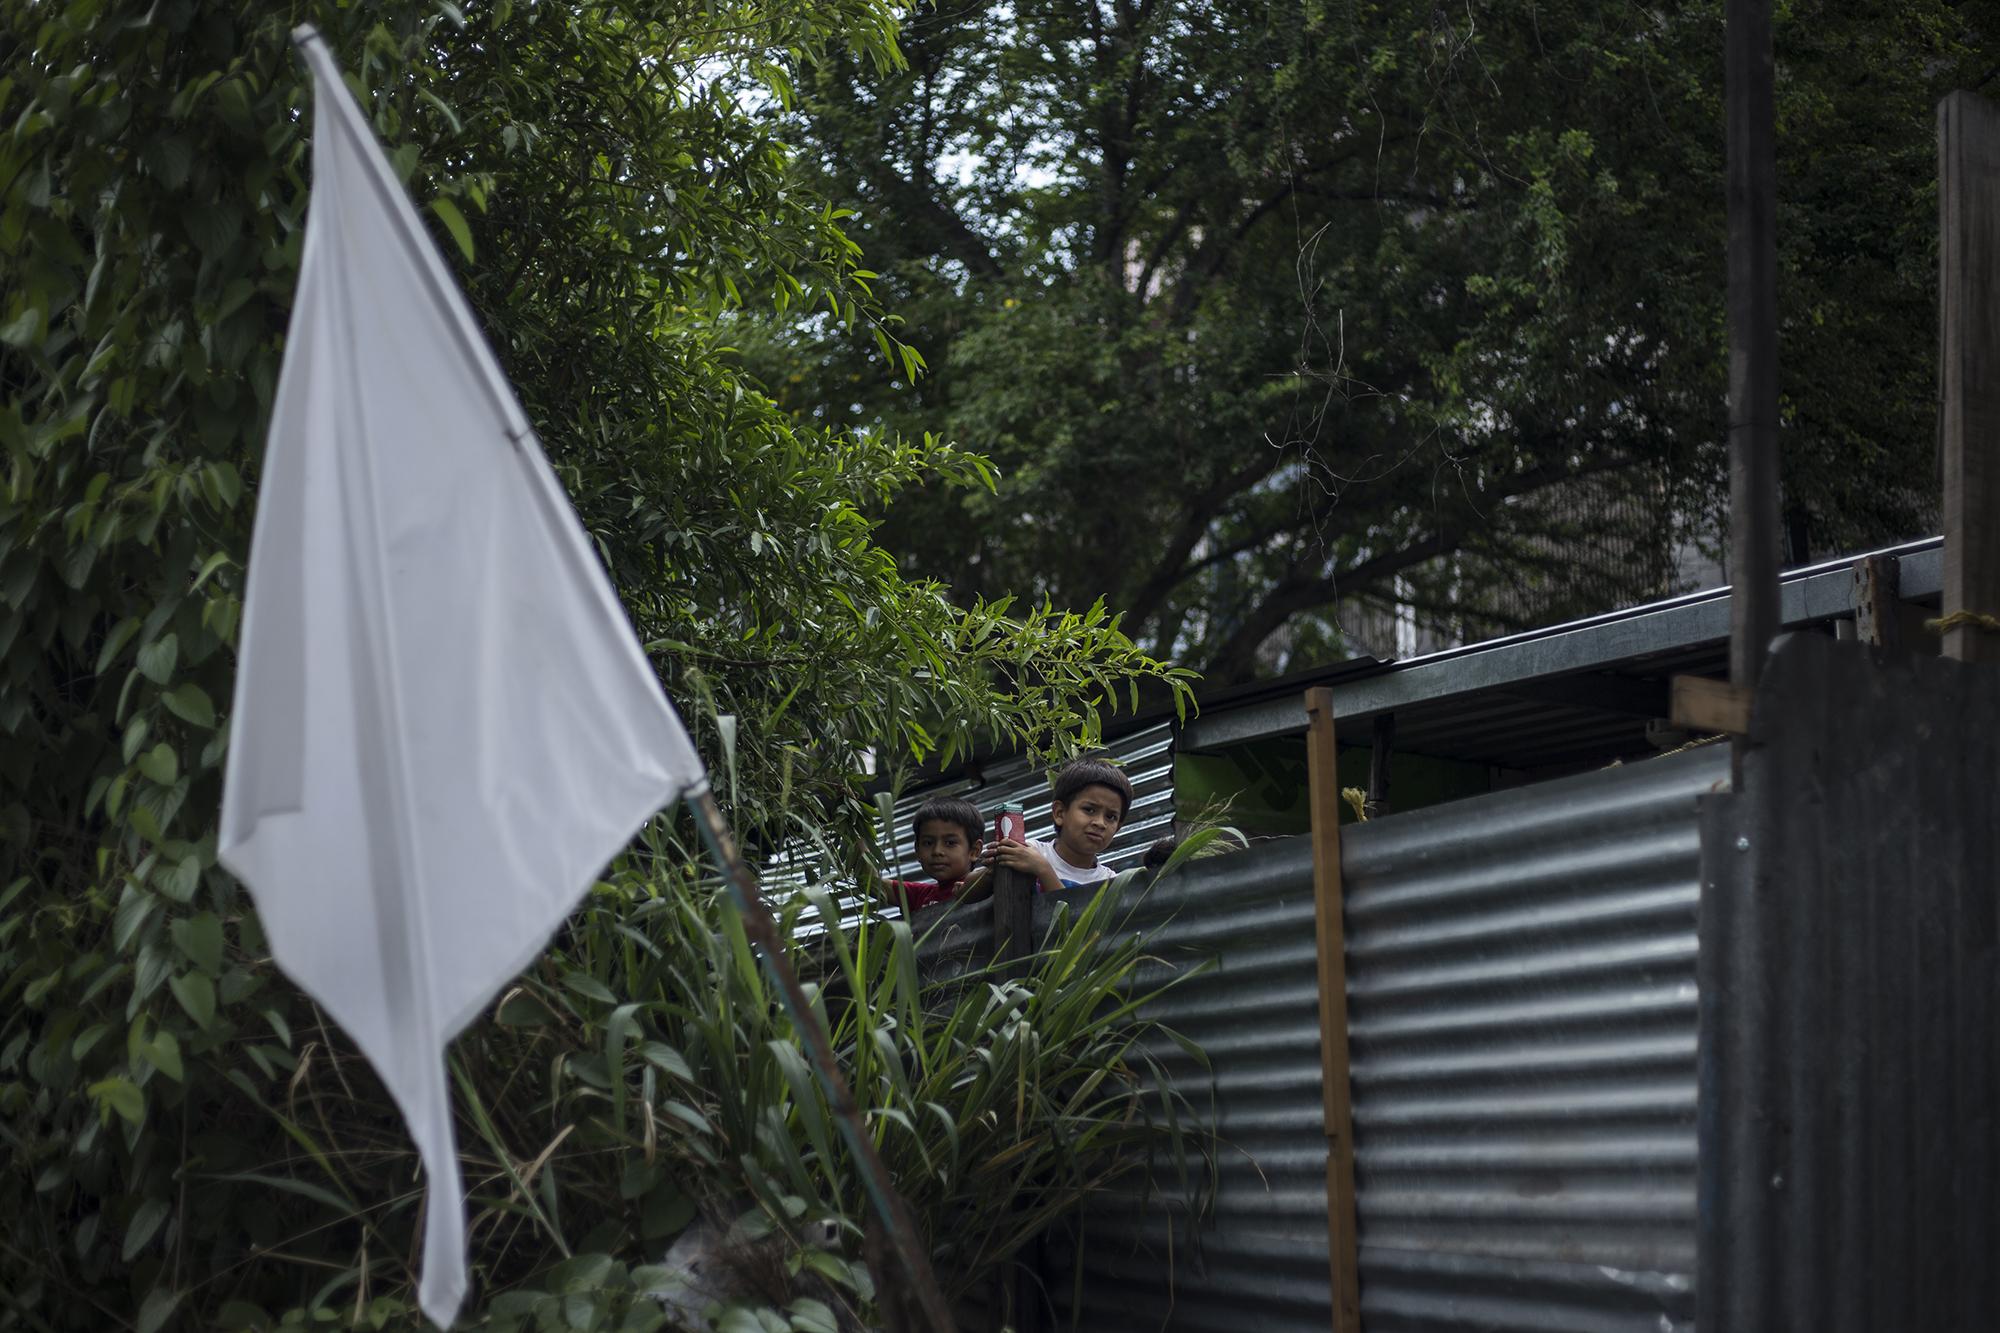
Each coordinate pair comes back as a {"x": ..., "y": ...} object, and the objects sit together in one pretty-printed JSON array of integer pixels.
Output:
[{"x": 1021, "y": 857}]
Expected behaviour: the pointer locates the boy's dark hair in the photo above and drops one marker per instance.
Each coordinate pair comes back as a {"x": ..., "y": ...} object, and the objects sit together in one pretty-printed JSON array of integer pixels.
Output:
[
  {"x": 1081, "y": 773},
  {"x": 950, "y": 810},
  {"x": 1159, "y": 852}
]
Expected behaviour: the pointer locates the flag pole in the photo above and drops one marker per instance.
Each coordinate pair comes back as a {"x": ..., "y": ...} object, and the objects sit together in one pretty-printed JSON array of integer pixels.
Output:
[{"x": 762, "y": 931}]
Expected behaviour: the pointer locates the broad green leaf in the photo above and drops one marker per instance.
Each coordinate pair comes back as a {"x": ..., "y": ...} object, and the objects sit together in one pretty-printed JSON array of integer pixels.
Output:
[
  {"x": 164, "y": 1051},
  {"x": 135, "y": 736},
  {"x": 114, "y": 642},
  {"x": 134, "y": 906},
  {"x": 200, "y": 938},
  {"x": 87, "y": 1039},
  {"x": 523, "y": 1009},
  {"x": 24, "y": 329},
  {"x": 156, "y": 659},
  {"x": 454, "y": 222},
  {"x": 590, "y": 987},
  {"x": 197, "y": 995},
  {"x": 190, "y": 702},
  {"x": 666, "y": 1058},
  {"x": 228, "y": 486},
  {"x": 121, "y": 1095},
  {"x": 811, "y": 1316},
  {"x": 156, "y": 1310},
  {"x": 584, "y": 1272},
  {"x": 145, "y": 1224},
  {"x": 181, "y": 882},
  {"x": 666, "y": 1212},
  {"x": 208, "y": 567},
  {"x": 160, "y": 764}
]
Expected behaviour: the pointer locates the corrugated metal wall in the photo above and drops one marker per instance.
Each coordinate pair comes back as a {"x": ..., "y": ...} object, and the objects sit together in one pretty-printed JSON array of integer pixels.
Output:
[
  {"x": 1522, "y": 1019},
  {"x": 1522, "y": 1012},
  {"x": 1249, "y": 918},
  {"x": 1851, "y": 1009}
]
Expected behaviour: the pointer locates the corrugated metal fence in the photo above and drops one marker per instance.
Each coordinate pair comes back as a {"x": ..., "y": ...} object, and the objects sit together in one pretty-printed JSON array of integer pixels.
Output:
[
  {"x": 1522, "y": 1003},
  {"x": 1851, "y": 1016}
]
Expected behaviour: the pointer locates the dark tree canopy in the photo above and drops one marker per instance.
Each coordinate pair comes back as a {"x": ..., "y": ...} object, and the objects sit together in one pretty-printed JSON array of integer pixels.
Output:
[{"x": 1258, "y": 308}]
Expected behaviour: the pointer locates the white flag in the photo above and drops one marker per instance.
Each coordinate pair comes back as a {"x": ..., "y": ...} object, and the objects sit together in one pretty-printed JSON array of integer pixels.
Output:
[{"x": 444, "y": 726}]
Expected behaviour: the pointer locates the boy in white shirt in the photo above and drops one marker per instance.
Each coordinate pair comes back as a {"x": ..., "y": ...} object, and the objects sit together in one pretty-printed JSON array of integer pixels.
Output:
[{"x": 1090, "y": 803}]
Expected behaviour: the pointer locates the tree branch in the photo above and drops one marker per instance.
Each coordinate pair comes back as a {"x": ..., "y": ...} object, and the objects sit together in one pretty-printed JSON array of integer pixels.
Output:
[
  {"x": 1198, "y": 512},
  {"x": 1235, "y": 658},
  {"x": 1301, "y": 590}
]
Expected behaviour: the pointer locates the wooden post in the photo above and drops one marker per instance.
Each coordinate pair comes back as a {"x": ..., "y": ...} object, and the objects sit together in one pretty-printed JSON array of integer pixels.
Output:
[
  {"x": 1969, "y": 366},
  {"x": 1877, "y": 589},
  {"x": 1752, "y": 186},
  {"x": 1013, "y": 920},
  {"x": 1017, "y": 1304},
  {"x": 1323, "y": 789},
  {"x": 1381, "y": 748}
]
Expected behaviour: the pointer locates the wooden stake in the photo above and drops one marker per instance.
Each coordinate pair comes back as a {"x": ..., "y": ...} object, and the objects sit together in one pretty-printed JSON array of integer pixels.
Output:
[
  {"x": 1323, "y": 788},
  {"x": 1969, "y": 366}
]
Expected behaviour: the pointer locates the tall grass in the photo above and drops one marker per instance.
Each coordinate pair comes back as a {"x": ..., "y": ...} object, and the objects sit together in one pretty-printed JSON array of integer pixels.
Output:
[{"x": 999, "y": 1103}]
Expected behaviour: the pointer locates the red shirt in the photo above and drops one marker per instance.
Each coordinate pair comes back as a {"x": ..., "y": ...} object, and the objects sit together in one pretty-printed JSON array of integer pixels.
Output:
[{"x": 922, "y": 893}]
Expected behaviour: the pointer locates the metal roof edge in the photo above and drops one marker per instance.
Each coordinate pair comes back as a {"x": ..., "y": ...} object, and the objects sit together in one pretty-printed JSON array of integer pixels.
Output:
[{"x": 1807, "y": 595}]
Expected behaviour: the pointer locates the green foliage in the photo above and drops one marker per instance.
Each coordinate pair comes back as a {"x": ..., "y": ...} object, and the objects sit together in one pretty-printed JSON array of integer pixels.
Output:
[
  {"x": 187, "y": 1142},
  {"x": 1260, "y": 306},
  {"x": 999, "y": 1105}
]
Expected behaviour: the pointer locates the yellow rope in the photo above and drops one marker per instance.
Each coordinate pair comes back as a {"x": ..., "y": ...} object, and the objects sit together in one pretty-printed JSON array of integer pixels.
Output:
[{"x": 1978, "y": 619}]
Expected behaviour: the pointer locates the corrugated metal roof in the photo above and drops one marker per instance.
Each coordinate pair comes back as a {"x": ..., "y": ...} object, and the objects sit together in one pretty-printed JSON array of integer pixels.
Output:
[{"x": 1522, "y": 1002}]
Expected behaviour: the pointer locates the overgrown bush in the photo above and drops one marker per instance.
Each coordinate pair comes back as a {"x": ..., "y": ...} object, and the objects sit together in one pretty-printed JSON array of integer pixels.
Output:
[
  {"x": 186, "y": 1141},
  {"x": 639, "y": 1080}
]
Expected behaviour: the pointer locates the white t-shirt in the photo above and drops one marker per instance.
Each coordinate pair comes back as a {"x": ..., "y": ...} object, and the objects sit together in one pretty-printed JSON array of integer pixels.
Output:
[{"x": 1072, "y": 877}]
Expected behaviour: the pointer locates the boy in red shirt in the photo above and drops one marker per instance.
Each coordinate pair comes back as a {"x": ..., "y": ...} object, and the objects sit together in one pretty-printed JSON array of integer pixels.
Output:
[{"x": 949, "y": 832}]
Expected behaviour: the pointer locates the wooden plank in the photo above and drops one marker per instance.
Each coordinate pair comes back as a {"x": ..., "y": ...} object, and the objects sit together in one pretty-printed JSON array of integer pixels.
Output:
[
  {"x": 1969, "y": 367},
  {"x": 1701, "y": 704},
  {"x": 1876, "y": 598},
  {"x": 1323, "y": 789}
]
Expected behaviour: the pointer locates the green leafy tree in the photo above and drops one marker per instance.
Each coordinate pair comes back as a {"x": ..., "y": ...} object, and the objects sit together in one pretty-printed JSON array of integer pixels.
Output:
[
  {"x": 1258, "y": 307},
  {"x": 185, "y": 1138}
]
